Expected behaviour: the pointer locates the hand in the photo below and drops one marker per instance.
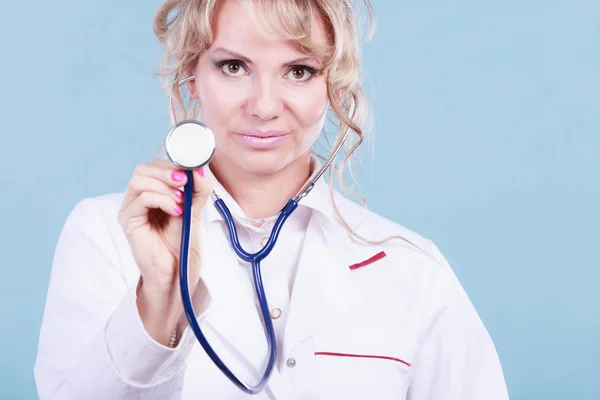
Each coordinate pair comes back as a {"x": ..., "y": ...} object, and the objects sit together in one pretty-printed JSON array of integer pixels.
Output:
[{"x": 151, "y": 217}]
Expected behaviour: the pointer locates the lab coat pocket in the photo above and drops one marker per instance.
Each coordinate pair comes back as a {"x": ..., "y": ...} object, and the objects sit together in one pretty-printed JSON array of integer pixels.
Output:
[{"x": 361, "y": 372}]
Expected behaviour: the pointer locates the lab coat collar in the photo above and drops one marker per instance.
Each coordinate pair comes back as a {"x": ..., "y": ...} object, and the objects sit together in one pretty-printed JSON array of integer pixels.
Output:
[{"x": 318, "y": 200}]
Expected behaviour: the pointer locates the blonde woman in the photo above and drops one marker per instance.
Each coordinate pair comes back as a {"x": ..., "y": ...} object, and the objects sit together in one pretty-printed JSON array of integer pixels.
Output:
[{"x": 355, "y": 317}]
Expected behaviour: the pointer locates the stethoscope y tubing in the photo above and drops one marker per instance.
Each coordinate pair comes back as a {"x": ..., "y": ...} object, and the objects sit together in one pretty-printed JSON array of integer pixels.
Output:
[{"x": 253, "y": 258}]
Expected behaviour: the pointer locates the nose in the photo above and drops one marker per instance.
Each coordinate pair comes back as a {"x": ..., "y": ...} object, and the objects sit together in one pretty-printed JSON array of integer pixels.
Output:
[{"x": 265, "y": 102}]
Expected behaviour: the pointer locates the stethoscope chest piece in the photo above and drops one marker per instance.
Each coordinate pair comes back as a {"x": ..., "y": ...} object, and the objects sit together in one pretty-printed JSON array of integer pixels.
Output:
[{"x": 190, "y": 144}]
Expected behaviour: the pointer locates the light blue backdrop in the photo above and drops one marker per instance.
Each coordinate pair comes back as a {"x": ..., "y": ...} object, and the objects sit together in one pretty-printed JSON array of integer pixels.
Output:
[{"x": 486, "y": 141}]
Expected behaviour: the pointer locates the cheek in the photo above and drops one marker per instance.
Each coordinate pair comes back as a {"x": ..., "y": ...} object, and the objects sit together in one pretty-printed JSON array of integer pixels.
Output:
[
  {"x": 217, "y": 100},
  {"x": 216, "y": 103},
  {"x": 309, "y": 107}
]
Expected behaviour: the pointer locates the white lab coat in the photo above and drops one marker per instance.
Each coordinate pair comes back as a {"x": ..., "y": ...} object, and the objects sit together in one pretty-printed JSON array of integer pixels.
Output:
[{"x": 365, "y": 321}]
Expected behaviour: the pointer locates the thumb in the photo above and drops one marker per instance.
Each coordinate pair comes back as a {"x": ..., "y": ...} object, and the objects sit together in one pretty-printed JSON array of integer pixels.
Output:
[{"x": 203, "y": 188}]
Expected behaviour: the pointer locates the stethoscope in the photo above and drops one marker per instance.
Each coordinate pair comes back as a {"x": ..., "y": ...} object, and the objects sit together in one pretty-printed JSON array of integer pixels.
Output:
[{"x": 190, "y": 145}]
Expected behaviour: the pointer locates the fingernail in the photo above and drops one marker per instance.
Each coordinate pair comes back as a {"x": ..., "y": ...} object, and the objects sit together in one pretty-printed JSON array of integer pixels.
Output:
[
  {"x": 177, "y": 176},
  {"x": 178, "y": 209},
  {"x": 178, "y": 193},
  {"x": 201, "y": 171}
]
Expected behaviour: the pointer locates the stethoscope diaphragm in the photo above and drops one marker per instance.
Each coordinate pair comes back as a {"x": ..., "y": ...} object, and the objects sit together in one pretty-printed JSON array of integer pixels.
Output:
[{"x": 190, "y": 144}]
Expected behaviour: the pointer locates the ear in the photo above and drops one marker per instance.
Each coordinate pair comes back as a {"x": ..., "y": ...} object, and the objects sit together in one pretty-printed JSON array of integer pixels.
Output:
[
  {"x": 191, "y": 87},
  {"x": 339, "y": 95}
]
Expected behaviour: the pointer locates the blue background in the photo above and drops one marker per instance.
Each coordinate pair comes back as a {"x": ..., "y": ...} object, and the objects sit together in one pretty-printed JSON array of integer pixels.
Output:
[{"x": 486, "y": 136}]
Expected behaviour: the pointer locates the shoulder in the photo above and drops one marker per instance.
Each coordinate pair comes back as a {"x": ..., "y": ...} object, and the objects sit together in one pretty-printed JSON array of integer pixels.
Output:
[
  {"x": 411, "y": 275},
  {"x": 91, "y": 208},
  {"x": 408, "y": 265},
  {"x": 94, "y": 217},
  {"x": 93, "y": 212},
  {"x": 375, "y": 227},
  {"x": 92, "y": 230}
]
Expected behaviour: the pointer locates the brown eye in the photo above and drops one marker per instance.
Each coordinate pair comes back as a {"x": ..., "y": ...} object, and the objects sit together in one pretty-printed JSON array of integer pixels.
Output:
[
  {"x": 233, "y": 69},
  {"x": 299, "y": 74}
]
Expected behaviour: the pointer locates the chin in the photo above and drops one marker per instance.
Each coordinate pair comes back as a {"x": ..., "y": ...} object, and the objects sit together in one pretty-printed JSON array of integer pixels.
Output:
[{"x": 262, "y": 162}]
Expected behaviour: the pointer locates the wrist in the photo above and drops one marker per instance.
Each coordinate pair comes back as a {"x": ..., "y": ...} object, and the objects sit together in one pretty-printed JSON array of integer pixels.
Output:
[{"x": 160, "y": 311}]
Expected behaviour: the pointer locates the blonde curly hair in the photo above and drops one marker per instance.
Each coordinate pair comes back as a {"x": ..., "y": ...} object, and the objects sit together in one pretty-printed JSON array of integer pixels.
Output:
[{"x": 185, "y": 29}]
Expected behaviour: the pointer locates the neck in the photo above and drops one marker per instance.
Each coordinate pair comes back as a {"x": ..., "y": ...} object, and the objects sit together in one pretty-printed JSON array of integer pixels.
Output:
[{"x": 261, "y": 195}]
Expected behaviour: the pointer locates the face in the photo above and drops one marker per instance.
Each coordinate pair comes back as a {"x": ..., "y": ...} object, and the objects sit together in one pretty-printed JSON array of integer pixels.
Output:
[{"x": 264, "y": 100}]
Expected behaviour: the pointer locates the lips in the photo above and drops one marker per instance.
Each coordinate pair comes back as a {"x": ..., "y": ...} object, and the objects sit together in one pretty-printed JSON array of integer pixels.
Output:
[
  {"x": 263, "y": 134},
  {"x": 262, "y": 139}
]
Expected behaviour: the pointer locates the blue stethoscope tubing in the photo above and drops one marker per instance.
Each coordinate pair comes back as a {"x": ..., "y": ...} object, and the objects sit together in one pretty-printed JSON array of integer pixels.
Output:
[{"x": 253, "y": 258}]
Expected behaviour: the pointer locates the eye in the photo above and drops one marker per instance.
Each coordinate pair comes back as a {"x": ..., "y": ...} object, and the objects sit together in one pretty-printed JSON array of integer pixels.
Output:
[
  {"x": 233, "y": 68},
  {"x": 300, "y": 73}
]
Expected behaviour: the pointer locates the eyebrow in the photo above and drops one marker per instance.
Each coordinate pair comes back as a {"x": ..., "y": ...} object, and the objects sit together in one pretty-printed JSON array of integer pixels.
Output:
[{"x": 233, "y": 54}]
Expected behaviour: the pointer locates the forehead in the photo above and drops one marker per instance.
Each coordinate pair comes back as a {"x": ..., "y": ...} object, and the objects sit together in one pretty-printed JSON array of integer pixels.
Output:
[{"x": 250, "y": 25}]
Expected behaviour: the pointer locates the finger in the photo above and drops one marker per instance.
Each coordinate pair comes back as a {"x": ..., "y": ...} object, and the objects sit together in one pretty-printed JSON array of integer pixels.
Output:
[
  {"x": 140, "y": 184},
  {"x": 163, "y": 171},
  {"x": 149, "y": 200}
]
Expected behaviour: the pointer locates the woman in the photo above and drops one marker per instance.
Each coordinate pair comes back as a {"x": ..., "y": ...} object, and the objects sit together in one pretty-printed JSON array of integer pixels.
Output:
[{"x": 354, "y": 318}]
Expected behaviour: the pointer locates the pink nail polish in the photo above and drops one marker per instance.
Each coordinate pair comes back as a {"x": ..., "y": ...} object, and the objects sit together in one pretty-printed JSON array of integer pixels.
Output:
[
  {"x": 177, "y": 176},
  {"x": 201, "y": 171},
  {"x": 178, "y": 210},
  {"x": 178, "y": 193}
]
